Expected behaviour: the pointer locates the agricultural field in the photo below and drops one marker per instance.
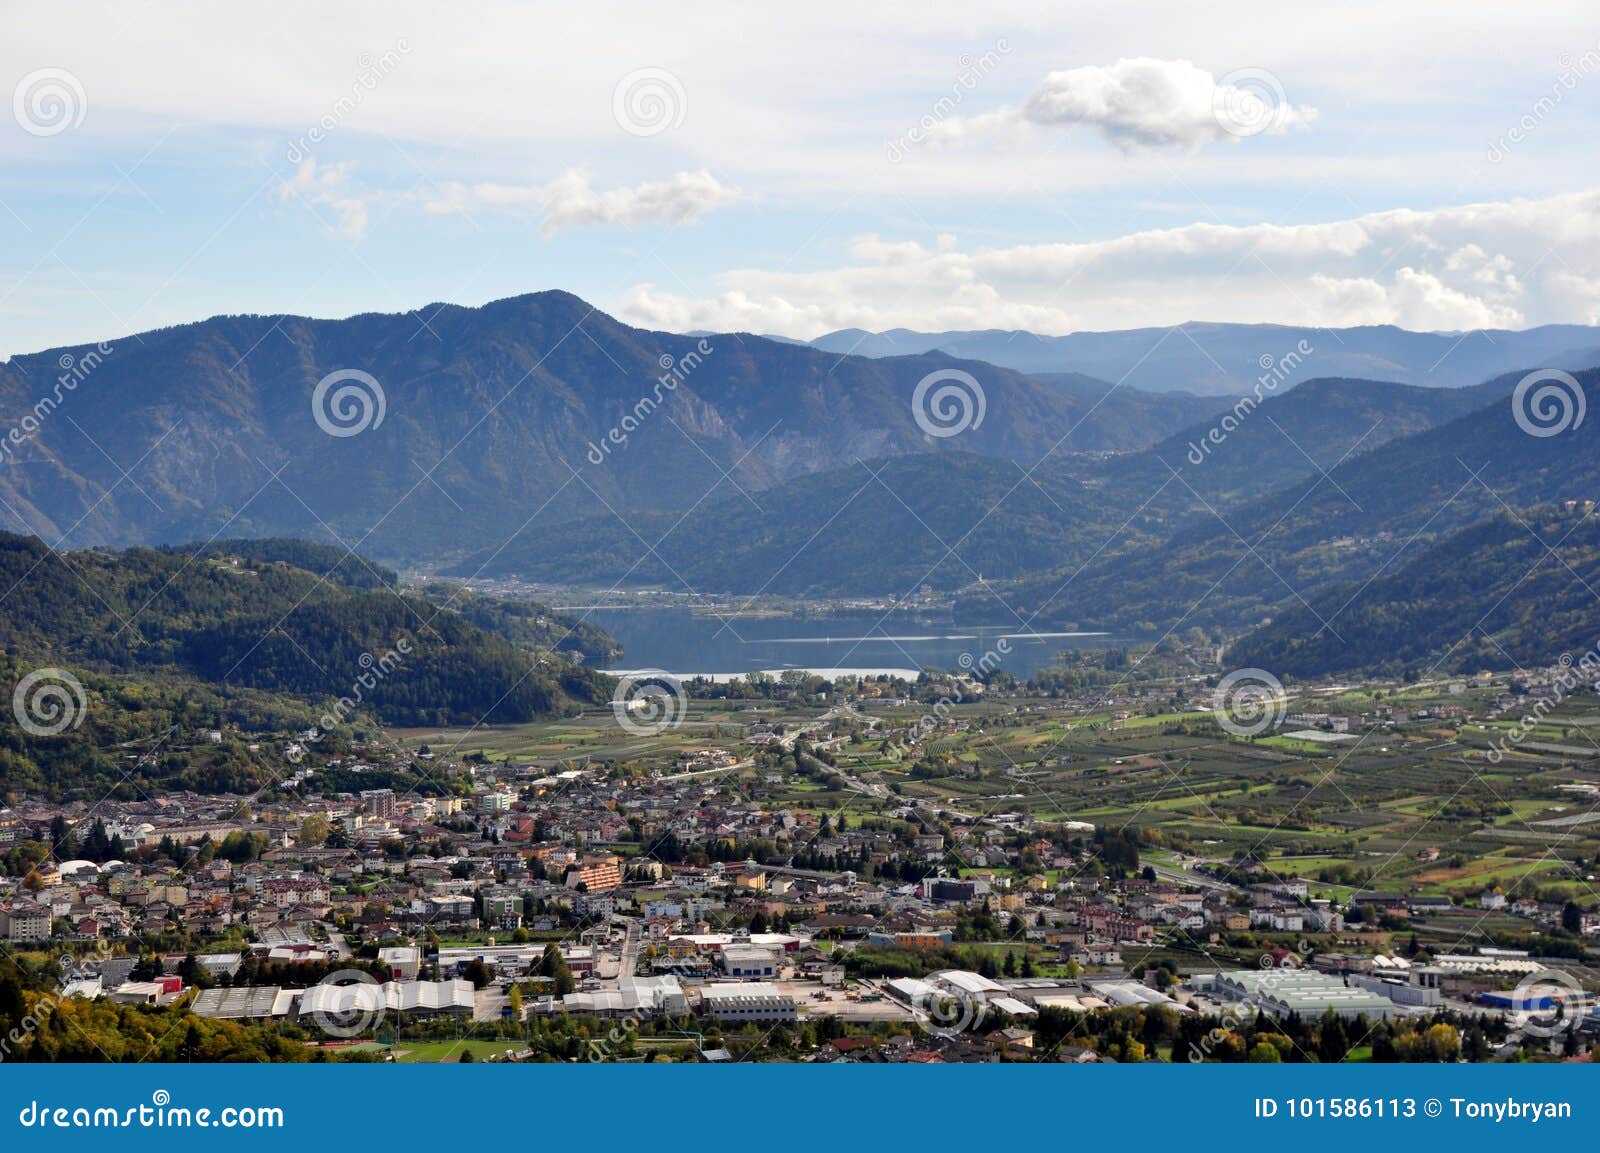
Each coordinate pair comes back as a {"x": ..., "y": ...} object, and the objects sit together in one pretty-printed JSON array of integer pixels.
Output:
[{"x": 1430, "y": 806}]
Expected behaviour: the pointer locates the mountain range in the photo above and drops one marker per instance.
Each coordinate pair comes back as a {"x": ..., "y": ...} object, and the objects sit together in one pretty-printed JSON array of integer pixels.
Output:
[
  {"x": 1227, "y": 359},
  {"x": 539, "y": 439},
  {"x": 532, "y": 405}
]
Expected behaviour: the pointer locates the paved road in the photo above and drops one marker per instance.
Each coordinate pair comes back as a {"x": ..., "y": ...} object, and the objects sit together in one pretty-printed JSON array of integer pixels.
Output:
[
  {"x": 336, "y": 942},
  {"x": 612, "y": 968},
  {"x": 1189, "y": 878}
]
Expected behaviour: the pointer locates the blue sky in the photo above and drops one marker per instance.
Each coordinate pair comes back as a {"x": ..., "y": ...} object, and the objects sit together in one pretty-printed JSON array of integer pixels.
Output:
[{"x": 1053, "y": 167}]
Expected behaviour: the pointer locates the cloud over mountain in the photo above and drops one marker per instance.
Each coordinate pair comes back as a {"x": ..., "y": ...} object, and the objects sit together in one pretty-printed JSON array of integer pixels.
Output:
[{"x": 1508, "y": 264}]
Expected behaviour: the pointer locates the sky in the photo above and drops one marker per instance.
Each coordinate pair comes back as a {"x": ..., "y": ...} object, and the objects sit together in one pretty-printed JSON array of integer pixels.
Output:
[{"x": 1054, "y": 167}]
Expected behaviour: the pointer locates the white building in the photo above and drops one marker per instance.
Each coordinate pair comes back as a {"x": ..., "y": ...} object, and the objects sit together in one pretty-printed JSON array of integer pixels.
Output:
[
  {"x": 747, "y": 1002},
  {"x": 404, "y": 962}
]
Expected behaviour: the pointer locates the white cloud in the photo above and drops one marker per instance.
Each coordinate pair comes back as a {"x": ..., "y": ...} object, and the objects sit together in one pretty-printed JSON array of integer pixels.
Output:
[
  {"x": 571, "y": 201},
  {"x": 328, "y": 187},
  {"x": 1143, "y": 102},
  {"x": 1412, "y": 299},
  {"x": 1502, "y": 264}
]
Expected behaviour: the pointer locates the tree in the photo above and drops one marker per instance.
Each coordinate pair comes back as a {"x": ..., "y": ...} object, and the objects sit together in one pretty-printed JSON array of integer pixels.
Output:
[
  {"x": 1265, "y": 1053},
  {"x": 1444, "y": 1043},
  {"x": 514, "y": 999},
  {"x": 554, "y": 966},
  {"x": 313, "y": 830},
  {"x": 1333, "y": 1042}
]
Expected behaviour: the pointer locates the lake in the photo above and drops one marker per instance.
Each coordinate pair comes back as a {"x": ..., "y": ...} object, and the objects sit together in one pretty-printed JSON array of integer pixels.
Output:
[{"x": 685, "y": 644}]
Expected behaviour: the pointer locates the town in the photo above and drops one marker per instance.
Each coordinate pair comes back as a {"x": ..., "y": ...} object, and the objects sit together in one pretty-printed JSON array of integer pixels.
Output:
[{"x": 956, "y": 869}]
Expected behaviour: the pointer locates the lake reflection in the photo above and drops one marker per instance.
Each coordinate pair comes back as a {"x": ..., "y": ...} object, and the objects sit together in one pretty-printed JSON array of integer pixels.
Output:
[{"x": 682, "y": 643}]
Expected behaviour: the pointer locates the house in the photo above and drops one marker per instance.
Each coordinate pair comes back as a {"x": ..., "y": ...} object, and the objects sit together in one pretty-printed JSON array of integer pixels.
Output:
[{"x": 404, "y": 962}]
